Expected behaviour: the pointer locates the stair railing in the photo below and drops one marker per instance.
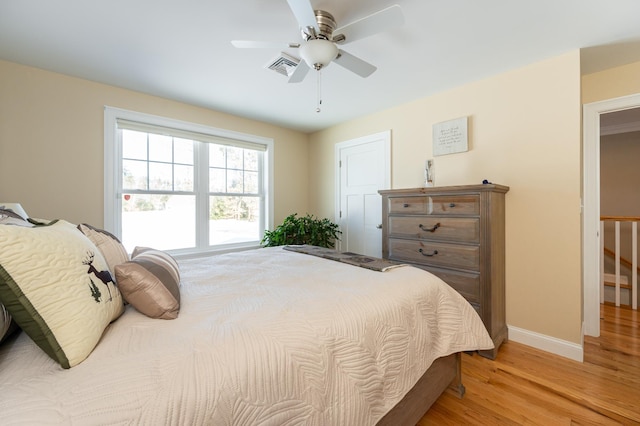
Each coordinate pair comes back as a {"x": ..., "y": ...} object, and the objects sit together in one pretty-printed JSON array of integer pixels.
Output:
[{"x": 633, "y": 263}]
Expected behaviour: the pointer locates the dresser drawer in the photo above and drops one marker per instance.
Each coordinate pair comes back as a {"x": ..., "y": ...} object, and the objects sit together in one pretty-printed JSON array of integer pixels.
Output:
[
  {"x": 465, "y": 283},
  {"x": 456, "y": 229},
  {"x": 436, "y": 204},
  {"x": 409, "y": 205},
  {"x": 435, "y": 254}
]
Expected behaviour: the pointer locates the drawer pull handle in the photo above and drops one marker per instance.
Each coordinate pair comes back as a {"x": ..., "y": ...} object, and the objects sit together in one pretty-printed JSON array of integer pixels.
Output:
[
  {"x": 428, "y": 254},
  {"x": 405, "y": 205},
  {"x": 432, "y": 229},
  {"x": 452, "y": 204}
]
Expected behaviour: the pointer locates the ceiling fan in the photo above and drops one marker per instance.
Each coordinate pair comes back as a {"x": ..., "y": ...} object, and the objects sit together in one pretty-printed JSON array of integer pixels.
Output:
[{"x": 320, "y": 46}]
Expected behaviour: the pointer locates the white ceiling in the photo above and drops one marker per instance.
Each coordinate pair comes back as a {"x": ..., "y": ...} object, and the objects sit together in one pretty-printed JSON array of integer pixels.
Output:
[{"x": 181, "y": 49}]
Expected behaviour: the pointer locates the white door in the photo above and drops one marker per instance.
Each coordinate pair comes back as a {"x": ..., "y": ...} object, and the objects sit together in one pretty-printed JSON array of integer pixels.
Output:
[{"x": 364, "y": 167}]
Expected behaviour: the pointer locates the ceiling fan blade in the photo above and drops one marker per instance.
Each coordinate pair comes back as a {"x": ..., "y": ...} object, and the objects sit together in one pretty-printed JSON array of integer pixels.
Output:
[
  {"x": 299, "y": 73},
  {"x": 354, "y": 64},
  {"x": 380, "y": 21},
  {"x": 303, "y": 11},
  {"x": 249, "y": 44}
]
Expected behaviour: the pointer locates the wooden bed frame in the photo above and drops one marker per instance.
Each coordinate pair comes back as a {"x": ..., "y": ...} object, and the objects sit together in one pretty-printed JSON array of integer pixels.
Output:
[{"x": 445, "y": 373}]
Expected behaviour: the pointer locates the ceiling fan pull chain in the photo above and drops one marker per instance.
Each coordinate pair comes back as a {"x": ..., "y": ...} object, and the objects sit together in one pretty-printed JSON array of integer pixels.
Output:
[{"x": 319, "y": 91}]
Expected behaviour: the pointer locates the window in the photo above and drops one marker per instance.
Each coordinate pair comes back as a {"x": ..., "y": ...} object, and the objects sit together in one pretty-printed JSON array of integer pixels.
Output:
[{"x": 184, "y": 187}]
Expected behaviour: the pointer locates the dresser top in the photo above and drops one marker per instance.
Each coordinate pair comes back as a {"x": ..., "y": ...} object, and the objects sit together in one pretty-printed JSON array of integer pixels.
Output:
[{"x": 491, "y": 187}]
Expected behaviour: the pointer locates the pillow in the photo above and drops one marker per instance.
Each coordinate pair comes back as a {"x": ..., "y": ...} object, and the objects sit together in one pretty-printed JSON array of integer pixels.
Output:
[
  {"x": 10, "y": 213},
  {"x": 57, "y": 287},
  {"x": 151, "y": 283},
  {"x": 108, "y": 244},
  {"x": 7, "y": 325},
  {"x": 9, "y": 217}
]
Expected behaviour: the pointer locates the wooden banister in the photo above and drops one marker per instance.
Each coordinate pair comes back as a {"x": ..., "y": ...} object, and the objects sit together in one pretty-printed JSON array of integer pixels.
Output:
[
  {"x": 621, "y": 218},
  {"x": 620, "y": 260},
  {"x": 612, "y": 253},
  {"x": 624, "y": 261}
]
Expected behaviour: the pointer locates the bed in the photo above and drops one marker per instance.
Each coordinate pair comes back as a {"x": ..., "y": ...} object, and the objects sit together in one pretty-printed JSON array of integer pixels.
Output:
[{"x": 262, "y": 337}]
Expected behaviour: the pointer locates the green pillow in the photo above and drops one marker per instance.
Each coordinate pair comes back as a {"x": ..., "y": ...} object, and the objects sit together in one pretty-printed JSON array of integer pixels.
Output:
[{"x": 57, "y": 287}]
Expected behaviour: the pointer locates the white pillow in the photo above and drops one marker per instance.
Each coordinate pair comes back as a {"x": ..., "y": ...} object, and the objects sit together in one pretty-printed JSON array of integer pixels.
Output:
[{"x": 57, "y": 287}]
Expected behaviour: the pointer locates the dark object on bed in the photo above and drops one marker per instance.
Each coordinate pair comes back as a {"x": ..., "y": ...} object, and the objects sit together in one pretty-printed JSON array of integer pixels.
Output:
[{"x": 355, "y": 259}]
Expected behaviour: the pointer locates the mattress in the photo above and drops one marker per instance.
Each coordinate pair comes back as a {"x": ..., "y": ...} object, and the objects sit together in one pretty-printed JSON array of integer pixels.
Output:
[{"x": 264, "y": 337}]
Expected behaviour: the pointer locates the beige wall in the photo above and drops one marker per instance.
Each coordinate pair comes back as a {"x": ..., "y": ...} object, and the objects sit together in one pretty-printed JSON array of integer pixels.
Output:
[
  {"x": 51, "y": 143},
  {"x": 525, "y": 133},
  {"x": 611, "y": 83}
]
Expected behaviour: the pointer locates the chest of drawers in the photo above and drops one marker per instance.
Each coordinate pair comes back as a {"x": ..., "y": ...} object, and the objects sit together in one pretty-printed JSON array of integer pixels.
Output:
[{"x": 456, "y": 233}]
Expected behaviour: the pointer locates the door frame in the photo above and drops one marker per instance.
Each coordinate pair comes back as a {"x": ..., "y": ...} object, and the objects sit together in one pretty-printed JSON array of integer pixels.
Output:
[
  {"x": 386, "y": 138},
  {"x": 591, "y": 206}
]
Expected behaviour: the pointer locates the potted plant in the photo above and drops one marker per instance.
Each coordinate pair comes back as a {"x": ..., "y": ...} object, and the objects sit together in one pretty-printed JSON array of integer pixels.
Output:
[{"x": 302, "y": 230}]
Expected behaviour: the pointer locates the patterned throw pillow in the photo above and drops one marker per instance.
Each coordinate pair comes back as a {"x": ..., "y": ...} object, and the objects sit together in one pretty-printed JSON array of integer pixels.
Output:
[
  {"x": 7, "y": 325},
  {"x": 108, "y": 244},
  {"x": 151, "y": 283},
  {"x": 4, "y": 211},
  {"x": 9, "y": 217},
  {"x": 57, "y": 287}
]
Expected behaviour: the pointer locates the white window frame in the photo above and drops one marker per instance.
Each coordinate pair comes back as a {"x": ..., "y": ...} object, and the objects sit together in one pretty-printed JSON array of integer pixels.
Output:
[{"x": 113, "y": 170}]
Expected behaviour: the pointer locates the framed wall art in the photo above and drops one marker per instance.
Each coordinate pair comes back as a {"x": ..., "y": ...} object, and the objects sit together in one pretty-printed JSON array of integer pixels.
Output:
[{"x": 450, "y": 137}]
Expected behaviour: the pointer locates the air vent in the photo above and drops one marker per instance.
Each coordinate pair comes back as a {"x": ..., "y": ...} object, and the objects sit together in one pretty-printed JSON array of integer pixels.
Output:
[{"x": 284, "y": 64}]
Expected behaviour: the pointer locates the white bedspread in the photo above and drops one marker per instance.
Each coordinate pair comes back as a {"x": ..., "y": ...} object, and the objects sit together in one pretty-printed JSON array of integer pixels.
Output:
[{"x": 266, "y": 337}]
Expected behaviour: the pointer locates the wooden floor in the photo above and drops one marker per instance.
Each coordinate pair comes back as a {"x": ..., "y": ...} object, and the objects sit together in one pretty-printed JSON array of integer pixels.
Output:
[{"x": 526, "y": 386}]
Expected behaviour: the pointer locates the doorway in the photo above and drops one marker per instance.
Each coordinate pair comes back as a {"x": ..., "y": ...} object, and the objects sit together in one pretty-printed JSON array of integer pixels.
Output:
[
  {"x": 364, "y": 167},
  {"x": 591, "y": 206}
]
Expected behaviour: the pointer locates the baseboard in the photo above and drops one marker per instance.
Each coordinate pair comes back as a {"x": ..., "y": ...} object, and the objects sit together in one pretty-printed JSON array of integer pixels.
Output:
[{"x": 556, "y": 346}]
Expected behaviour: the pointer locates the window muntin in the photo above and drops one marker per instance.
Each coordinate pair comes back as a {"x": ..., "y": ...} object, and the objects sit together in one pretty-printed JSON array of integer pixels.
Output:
[
  {"x": 158, "y": 175},
  {"x": 233, "y": 170},
  {"x": 154, "y": 162},
  {"x": 183, "y": 189},
  {"x": 234, "y": 196}
]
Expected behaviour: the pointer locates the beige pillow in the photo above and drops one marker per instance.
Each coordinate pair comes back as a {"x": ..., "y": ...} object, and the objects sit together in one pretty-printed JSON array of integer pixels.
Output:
[
  {"x": 108, "y": 244},
  {"x": 151, "y": 283},
  {"x": 57, "y": 287}
]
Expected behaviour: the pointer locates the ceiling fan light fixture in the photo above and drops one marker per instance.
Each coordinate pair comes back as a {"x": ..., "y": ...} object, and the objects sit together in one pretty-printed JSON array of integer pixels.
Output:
[{"x": 318, "y": 53}]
